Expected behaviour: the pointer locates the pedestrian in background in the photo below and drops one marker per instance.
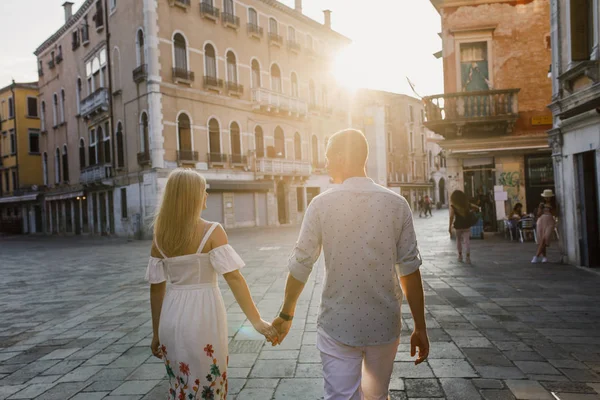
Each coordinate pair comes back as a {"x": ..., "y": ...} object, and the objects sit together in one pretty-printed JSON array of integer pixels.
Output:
[
  {"x": 462, "y": 219},
  {"x": 545, "y": 226},
  {"x": 421, "y": 207},
  {"x": 428, "y": 206}
]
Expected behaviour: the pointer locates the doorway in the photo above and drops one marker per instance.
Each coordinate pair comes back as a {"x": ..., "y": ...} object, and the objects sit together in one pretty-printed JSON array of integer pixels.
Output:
[
  {"x": 479, "y": 188},
  {"x": 281, "y": 203},
  {"x": 587, "y": 208},
  {"x": 539, "y": 171},
  {"x": 442, "y": 191}
]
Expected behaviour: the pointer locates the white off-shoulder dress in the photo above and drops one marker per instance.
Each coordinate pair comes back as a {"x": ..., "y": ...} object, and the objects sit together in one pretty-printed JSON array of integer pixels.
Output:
[{"x": 193, "y": 321}]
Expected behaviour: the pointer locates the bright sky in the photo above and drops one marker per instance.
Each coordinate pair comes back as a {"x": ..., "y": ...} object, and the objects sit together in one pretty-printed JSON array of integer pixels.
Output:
[{"x": 392, "y": 40}]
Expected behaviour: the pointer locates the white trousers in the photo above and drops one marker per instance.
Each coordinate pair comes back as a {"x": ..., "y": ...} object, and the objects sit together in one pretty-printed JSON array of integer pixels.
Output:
[{"x": 356, "y": 373}]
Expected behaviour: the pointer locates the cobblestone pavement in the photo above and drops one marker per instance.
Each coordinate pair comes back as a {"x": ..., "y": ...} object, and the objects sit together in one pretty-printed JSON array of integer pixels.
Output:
[{"x": 75, "y": 323}]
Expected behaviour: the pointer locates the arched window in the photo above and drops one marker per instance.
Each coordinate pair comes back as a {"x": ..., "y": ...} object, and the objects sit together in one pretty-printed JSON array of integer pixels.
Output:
[
  {"x": 62, "y": 106},
  {"x": 236, "y": 143},
  {"x": 231, "y": 68},
  {"x": 120, "y": 147},
  {"x": 294, "y": 81},
  {"x": 279, "y": 143},
  {"x": 45, "y": 168},
  {"x": 54, "y": 110},
  {"x": 78, "y": 95},
  {"x": 57, "y": 166},
  {"x": 255, "y": 74},
  {"x": 140, "y": 49},
  {"x": 315, "y": 151},
  {"x": 291, "y": 34},
  {"x": 210, "y": 61},
  {"x": 65, "y": 164},
  {"x": 144, "y": 138},
  {"x": 180, "y": 46},
  {"x": 259, "y": 142},
  {"x": 106, "y": 146},
  {"x": 43, "y": 116},
  {"x": 312, "y": 97},
  {"x": 116, "y": 71},
  {"x": 81, "y": 153},
  {"x": 214, "y": 139},
  {"x": 252, "y": 17},
  {"x": 297, "y": 146},
  {"x": 184, "y": 132},
  {"x": 273, "y": 26},
  {"x": 276, "y": 79}
]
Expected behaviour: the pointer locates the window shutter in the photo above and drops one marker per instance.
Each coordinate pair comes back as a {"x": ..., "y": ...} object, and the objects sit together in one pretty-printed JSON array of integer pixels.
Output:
[{"x": 579, "y": 30}]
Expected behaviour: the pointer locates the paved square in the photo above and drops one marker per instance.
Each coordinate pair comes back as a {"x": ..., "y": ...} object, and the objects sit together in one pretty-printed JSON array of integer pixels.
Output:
[{"x": 76, "y": 323}]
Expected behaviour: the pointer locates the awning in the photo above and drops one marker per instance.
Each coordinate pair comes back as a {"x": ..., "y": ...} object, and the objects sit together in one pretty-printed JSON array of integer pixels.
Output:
[
  {"x": 63, "y": 196},
  {"x": 18, "y": 199},
  {"x": 239, "y": 186}
]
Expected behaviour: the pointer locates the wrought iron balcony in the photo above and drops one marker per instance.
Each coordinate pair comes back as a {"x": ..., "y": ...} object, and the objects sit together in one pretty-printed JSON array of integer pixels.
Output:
[
  {"x": 293, "y": 46},
  {"x": 143, "y": 158},
  {"x": 472, "y": 114},
  {"x": 187, "y": 156},
  {"x": 95, "y": 174},
  {"x": 59, "y": 58},
  {"x": 275, "y": 39},
  {"x": 211, "y": 82},
  {"x": 235, "y": 88},
  {"x": 255, "y": 31},
  {"x": 183, "y": 75},
  {"x": 208, "y": 11},
  {"x": 140, "y": 74},
  {"x": 217, "y": 158},
  {"x": 230, "y": 20},
  {"x": 181, "y": 3},
  {"x": 95, "y": 103},
  {"x": 274, "y": 102},
  {"x": 239, "y": 159},
  {"x": 282, "y": 167}
]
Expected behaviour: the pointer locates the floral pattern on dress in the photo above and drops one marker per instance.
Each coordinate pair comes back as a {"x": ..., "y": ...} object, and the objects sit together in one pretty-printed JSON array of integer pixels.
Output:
[{"x": 216, "y": 388}]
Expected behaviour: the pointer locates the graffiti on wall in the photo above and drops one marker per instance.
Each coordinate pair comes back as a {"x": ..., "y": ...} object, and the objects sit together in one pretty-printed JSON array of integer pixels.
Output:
[{"x": 512, "y": 185}]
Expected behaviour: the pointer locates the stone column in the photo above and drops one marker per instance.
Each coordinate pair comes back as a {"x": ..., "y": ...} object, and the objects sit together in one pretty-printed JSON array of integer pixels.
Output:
[
  {"x": 49, "y": 213},
  {"x": 25, "y": 218},
  {"x": 57, "y": 205},
  {"x": 305, "y": 199},
  {"x": 256, "y": 211},
  {"x": 90, "y": 206},
  {"x": 72, "y": 211},
  {"x": 63, "y": 208},
  {"x": 107, "y": 216},
  {"x": 99, "y": 213},
  {"x": 272, "y": 213},
  {"x": 80, "y": 205}
]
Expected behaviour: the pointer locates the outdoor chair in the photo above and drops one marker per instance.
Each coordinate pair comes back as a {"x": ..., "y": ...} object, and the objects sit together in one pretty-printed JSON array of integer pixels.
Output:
[
  {"x": 526, "y": 227},
  {"x": 508, "y": 229}
]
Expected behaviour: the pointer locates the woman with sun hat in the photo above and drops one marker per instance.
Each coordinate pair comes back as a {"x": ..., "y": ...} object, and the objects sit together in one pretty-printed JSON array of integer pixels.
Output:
[{"x": 545, "y": 226}]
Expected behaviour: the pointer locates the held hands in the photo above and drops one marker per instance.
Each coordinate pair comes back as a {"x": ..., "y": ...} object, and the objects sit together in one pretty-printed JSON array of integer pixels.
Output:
[
  {"x": 419, "y": 339},
  {"x": 283, "y": 328},
  {"x": 266, "y": 329}
]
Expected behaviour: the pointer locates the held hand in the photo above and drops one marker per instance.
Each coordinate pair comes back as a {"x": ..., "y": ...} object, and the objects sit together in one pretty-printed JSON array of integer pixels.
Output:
[
  {"x": 283, "y": 327},
  {"x": 419, "y": 339},
  {"x": 266, "y": 329},
  {"x": 155, "y": 347}
]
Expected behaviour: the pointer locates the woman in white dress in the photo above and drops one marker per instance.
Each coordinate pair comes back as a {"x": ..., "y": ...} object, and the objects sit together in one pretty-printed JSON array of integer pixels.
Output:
[{"x": 189, "y": 319}]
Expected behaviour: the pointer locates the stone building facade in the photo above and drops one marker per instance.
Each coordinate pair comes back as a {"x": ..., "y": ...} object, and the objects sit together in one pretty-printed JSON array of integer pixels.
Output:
[
  {"x": 575, "y": 137},
  {"x": 493, "y": 114},
  {"x": 239, "y": 90}
]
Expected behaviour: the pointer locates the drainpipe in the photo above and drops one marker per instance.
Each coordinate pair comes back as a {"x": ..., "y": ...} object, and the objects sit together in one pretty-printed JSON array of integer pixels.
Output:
[
  {"x": 110, "y": 87},
  {"x": 14, "y": 101}
]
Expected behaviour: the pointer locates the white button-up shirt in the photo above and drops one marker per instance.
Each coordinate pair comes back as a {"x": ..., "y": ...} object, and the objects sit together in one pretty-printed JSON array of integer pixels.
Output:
[{"x": 368, "y": 239}]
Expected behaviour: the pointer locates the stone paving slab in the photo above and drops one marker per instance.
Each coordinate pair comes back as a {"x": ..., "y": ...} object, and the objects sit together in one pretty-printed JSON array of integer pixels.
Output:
[{"x": 76, "y": 323}]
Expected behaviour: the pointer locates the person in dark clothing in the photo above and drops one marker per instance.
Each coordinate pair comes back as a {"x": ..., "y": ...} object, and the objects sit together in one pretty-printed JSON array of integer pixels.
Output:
[{"x": 427, "y": 205}]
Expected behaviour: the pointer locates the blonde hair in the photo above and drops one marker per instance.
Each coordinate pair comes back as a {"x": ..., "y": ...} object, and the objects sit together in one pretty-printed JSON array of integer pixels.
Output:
[{"x": 176, "y": 223}]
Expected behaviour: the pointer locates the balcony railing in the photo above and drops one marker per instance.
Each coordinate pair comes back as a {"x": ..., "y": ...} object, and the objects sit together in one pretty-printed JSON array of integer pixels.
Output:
[
  {"x": 255, "y": 31},
  {"x": 96, "y": 173},
  {"x": 230, "y": 20},
  {"x": 95, "y": 103},
  {"x": 187, "y": 156},
  {"x": 282, "y": 167},
  {"x": 293, "y": 46},
  {"x": 183, "y": 75},
  {"x": 181, "y": 3},
  {"x": 275, "y": 39},
  {"x": 217, "y": 158},
  {"x": 238, "y": 159},
  {"x": 143, "y": 158},
  {"x": 59, "y": 58},
  {"x": 278, "y": 102},
  {"x": 208, "y": 11},
  {"x": 51, "y": 64},
  {"x": 454, "y": 112},
  {"x": 140, "y": 74},
  {"x": 235, "y": 88},
  {"x": 210, "y": 82}
]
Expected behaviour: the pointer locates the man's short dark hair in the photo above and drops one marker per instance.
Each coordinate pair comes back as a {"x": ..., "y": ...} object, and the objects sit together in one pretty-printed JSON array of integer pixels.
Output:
[{"x": 350, "y": 143}]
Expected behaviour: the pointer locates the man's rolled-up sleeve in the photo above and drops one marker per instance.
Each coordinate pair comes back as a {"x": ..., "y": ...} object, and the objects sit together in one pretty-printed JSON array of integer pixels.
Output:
[
  {"x": 408, "y": 258},
  {"x": 308, "y": 247}
]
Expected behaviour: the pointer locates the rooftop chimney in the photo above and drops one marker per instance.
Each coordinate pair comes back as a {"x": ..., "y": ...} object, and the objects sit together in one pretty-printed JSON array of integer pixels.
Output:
[
  {"x": 298, "y": 6},
  {"x": 68, "y": 6},
  {"x": 327, "y": 14}
]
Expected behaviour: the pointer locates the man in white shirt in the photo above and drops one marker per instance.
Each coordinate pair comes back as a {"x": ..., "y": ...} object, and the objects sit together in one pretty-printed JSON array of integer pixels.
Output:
[{"x": 369, "y": 244}]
